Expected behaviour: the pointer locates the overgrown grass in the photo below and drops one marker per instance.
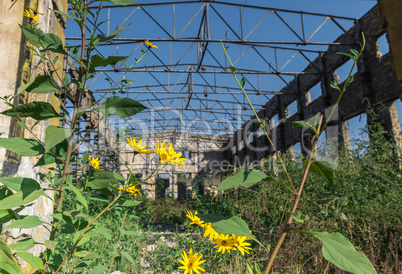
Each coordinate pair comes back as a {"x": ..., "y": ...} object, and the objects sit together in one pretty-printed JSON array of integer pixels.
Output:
[{"x": 364, "y": 203}]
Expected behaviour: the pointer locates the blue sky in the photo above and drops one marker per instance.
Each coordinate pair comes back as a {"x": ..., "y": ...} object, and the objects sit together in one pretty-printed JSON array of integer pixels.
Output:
[{"x": 140, "y": 26}]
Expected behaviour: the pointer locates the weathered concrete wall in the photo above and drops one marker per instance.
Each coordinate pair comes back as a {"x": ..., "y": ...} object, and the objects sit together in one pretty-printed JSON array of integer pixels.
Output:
[
  {"x": 376, "y": 80},
  {"x": 20, "y": 67}
]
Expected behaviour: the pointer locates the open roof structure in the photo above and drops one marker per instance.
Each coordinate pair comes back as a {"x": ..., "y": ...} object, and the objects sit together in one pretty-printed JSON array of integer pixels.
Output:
[{"x": 186, "y": 83}]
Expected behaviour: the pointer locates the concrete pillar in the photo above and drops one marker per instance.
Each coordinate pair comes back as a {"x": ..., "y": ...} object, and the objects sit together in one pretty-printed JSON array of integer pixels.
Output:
[
  {"x": 20, "y": 67},
  {"x": 151, "y": 188}
]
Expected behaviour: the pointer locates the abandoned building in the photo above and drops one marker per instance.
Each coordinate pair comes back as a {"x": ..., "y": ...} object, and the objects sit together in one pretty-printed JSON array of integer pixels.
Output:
[{"x": 192, "y": 99}]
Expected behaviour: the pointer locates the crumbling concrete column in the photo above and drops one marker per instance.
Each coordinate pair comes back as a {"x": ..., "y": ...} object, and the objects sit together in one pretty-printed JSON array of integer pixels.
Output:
[{"x": 20, "y": 67}]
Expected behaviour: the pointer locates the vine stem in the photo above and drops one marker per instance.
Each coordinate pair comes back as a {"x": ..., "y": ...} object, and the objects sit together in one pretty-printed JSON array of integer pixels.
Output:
[
  {"x": 118, "y": 241},
  {"x": 262, "y": 125},
  {"x": 295, "y": 203},
  {"x": 70, "y": 145}
]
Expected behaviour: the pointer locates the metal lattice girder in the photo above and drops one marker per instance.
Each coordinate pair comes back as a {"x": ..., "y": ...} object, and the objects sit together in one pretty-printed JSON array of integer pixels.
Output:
[{"x": 189, "y": 73}]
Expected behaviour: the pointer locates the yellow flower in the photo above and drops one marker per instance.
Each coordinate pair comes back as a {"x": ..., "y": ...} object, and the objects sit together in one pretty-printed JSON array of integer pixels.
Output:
[
  {"x": 209, "y": 230},
  {"x": 137, "y": 146},
  {"x": 241, "y": 244},
  {"x": 168, "y": 154},
  {"x": 32, "y": 16},
  {"x": 94, "y": 162},
  {"x": 194, "y": 218},
  {"x": 224, "y": 243},
  {"x": 191, "y": 263},
  {"x": 132, "y": 190},
  {"x": 150, "y": 44}
]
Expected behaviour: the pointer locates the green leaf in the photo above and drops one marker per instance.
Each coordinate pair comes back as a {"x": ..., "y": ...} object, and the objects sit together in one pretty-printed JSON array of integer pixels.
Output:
[
  {"x": 41, "y": 84},
  {"x": 333, "y": 85},
  {"x": 322, "y": 168},
  {"x": 10, "y": 268},
  {"x": 243, "y": 82},
  {"x": 232, "y": 68},
  {"x": 253, "y": 269},
  {"x": 101, "y": 179},
  {"x": 129, "y": 203},
  {"x": 103, "y": 38},
  {"x": 310, "y": 123},
  {"x": 28, "y": 185},
  {"x": 51, "y": 245},
  {"x": 56, "y": 135},
  {"x": 5, "y": 254},
  {"x": 99, "y": 269},
  {"x": 105, "y": 232},
  {"x": 37, "y": 110},
  {"x": 223, "y": 225},
  {"x": 128, "y": 257},
  {"x": 27, "y": 222},
  {"x": 123, "y": 107},
  {"x": 85, "y": 158},
  {"x": 354, "y": 52},
  {"x": 297, "y": 217},
  {"x": 22, "y": 146},
  {"x": 99, "y": 199},
  {"x": 80, "y": 198},
  {"x": 245, "y": 178},
  {"x": 32, "y": 260},
  {"x": 62, "y": 13},
  {"x": 338, "y": 250},
  {"x": 21, "y": 124},
  {"x": 129, "y": 233},
  {"x": 23, "y": 244},
  {"x": 349, "y": 80},
  {"x": 346, "y": 54},
  {"x": 47, "y": 41},
  {"x": 46, "y": 159},
  {"x": 99, "y": 61},
  {"x": 82, "y": 111},
  {"x": 20, "y": 198},
  {"x": 121, "y": 2}
]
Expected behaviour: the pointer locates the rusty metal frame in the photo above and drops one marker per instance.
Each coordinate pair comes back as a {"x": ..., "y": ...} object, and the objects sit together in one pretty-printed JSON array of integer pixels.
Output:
[{"x": 196, "y": 94}]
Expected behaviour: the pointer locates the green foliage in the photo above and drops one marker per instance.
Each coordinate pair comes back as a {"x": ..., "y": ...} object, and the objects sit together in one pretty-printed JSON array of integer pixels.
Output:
[
  {"x": 41, "y": 84},
  {"x": 45, "y": 41},
  {"x": 102, "y": 179},
  {"x": 23, "y": 146},
  {"x": 253, "y": 269},
  {"x": 322, "y": 168},
  {"x": 34, "y": 261},
  {"x": 6, "y": 256},
  {"x": 103, "y": 38},
  {"x": 20, "y": 198},
  {"x": 37, "y": 110},
  {"x": 121, "y": 2},
  {"x": 23, "y": 245},
  {"x": 56, "y": 135},
  {"x": 340, "y": 251},
  {"x": 245, "y": 178},
  {"x": 26, "y": 222},
  {"x": 230, "y": 225},
  {"x": 123, "y": 107},
  {"x": 98, "y": 61}
]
